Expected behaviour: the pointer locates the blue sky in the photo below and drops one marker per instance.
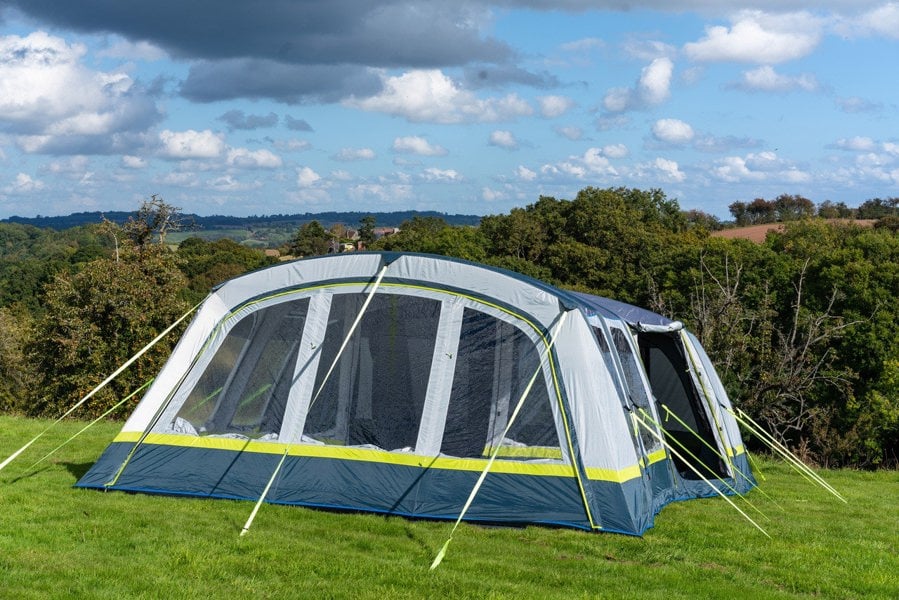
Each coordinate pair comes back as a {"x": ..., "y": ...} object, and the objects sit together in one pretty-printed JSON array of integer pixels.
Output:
[{"x": 236, "y": 107}]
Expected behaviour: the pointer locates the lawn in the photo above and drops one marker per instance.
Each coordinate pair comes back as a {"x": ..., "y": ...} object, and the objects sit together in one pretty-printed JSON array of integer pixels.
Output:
[{"x": 60, "y": 542}]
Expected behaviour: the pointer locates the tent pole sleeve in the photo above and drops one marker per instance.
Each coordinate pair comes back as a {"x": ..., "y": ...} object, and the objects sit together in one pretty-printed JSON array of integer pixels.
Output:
[
  {"x": 698, "y": 474},
  {"x": 497, "y": 447},
  {"x": 103, "y": 384}
]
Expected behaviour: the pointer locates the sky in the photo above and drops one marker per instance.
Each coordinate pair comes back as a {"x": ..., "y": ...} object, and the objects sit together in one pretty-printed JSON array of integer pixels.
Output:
[{"x": 269, "y": 107}]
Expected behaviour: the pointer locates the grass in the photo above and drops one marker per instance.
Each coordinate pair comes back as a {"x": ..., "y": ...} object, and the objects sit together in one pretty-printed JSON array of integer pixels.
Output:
[{"x": 60, "y": 542}]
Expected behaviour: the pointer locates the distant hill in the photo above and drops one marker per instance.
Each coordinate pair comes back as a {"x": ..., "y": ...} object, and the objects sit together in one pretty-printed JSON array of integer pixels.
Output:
[{"x": 350, "y": 219}]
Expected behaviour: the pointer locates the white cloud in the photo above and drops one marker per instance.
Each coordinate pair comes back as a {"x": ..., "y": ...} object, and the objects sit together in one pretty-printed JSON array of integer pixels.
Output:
[
  {"x": 414, "y": 144},
  {"x": 652, "y": 88},
  {"x": 306, "y": 177},
  {"x": 648, "y": 49},
  {"x": 880, "y": 21},
  {"x": 525, "y": 174},
  {"x": 757, "y": 167},
  {"x": 570, "y": 132},
  {"x": 432, "y": 97},
  {"x": 50, "y": 99},
  {"x": 615, "y": 150},
  {"x": 191, "y": 144},
  {"x": 352, "y": 154},
  {"x": 617, "y": 99},
  {"x": 856, "y": 144},
  {"x": 441, "y": 175},
  {"x": 503, "y": 139},
  {"x": 672, "y": 131},
  {"x": 253, "y": 159},
  {"x": 554, "y": 106},
  {"x": 591, "y": 164},
  {"x": 133, "y": 162},
  {"x": 766, "y": 79},
  {"x": 227, "y": 183},
  {"x": 757, "y": 37},
  {"x": 669, "y": 169},
  {"x": 491, "y": 195},
  {"x": 655, "y": 81},
  {"x": 24, "y": 184}
]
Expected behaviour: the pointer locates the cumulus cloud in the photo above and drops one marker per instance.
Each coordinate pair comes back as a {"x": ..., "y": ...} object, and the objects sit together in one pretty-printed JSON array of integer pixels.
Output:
[
  {"x": 571, "y": 132},
  {"x": 615, "y": 151},
  {"x": 856, "y": 144},
  {"x": 191, "y": 144},
  {"x": 38, "y": 76},
  {"x": 441, "y": 175},
  {"x": 554, "y": 106},
  {"x": 525, "y": 174},
  {"x": 593, "y": 163},
  {"x": 253, "y": 159},
  {"x": 503, "y": 139},
  {"x": 766, "y": 79},
  {"x": 757, "y": 37},
  {"x": 668, "y": 170},
  {"x": 430, "y": 96},
  {"x": 306, "y": 177},
  {"x": 24, "y": 184},
  {"x": 353, "y": 154},
  {"x": 881, "y": 20},
  {"x": 133, "y": 162},
  {"x": 417, "y": 145},
  {"x": 672, "y": 131},
  {"x": 652, "y": 88},
  {"x": 757, "y": 167}
]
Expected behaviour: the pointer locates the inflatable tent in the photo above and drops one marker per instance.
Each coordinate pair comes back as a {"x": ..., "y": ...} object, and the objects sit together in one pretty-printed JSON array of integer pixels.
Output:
[{"x": 390, "y": 382}]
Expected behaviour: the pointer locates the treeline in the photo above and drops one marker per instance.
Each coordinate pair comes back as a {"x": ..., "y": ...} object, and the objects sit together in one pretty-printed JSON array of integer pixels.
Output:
[
  {"x": 804, "y": 327},
  {"x": 213, "y": 222},
  {"x": 792, "y": 207}
]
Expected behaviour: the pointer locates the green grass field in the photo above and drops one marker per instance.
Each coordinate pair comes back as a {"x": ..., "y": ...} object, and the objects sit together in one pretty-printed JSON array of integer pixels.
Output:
[{"x": 61, "y": 542}]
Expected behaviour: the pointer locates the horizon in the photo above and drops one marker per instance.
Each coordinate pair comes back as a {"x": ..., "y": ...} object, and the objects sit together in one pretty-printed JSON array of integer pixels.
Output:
[{"x": 472, "y": 108}]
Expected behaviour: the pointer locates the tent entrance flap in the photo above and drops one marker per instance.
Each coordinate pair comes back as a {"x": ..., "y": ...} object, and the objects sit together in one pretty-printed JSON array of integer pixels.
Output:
[{"x": 669, "y": 377}]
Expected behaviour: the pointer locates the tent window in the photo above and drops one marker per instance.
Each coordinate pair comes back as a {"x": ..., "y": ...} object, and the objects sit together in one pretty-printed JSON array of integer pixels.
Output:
[
  {"x": 375, "y": 394},
  {"x": 635, "y": 385},
  {"x": 494, "y": 365},
  {"x": 244, "y": 388},
  {"x": 673, "y": 387}
]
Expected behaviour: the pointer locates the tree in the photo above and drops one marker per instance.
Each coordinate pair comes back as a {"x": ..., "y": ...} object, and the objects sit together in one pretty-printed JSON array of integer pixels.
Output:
[
  {"x": 311, "y": 239},
  {"x": 155, "y": 218},
  {"x": 98, "y": 317},
  {"x": 16, "y": 373},
  {"x": 789, "y": 207},
  {"x": 367, "y": 230}
]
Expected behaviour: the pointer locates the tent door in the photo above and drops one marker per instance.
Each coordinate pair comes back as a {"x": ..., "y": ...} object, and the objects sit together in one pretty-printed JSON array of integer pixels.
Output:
[{"x": 672, "y": 386}]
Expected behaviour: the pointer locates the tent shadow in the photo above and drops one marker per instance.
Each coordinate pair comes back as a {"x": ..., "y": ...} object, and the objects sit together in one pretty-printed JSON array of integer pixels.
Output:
[{"x": 77, "y": 470}]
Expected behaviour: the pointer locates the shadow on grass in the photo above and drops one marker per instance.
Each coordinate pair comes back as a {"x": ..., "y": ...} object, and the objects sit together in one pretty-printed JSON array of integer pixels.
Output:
[{"x": 77, "y": 470}]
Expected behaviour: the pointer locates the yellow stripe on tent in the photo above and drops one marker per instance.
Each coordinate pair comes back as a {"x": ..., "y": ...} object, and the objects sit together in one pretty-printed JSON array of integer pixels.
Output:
[{"x": 544, "y": 469}]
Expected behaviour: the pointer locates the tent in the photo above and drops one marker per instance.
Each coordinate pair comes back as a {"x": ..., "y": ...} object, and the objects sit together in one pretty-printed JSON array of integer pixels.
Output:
[{"x": 389, "y": 382}]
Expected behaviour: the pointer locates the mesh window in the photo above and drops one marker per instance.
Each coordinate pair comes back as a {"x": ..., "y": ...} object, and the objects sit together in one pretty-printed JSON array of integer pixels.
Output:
[
  {"x": 244, "y": 388},
  {"x": 375, "y": 394},
  {"x": 635, "y": 385},
  {"x": 494, "y": 365}
]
